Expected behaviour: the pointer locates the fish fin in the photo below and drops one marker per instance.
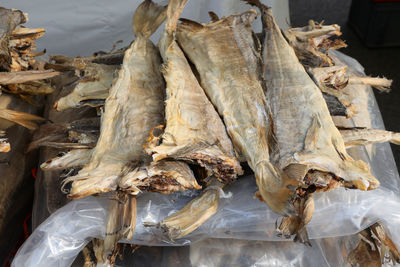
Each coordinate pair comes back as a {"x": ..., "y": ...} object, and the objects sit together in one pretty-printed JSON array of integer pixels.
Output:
[
  {"x": 302, "y": 236},
  {"x": 174, "y": 10},
  {"x": 395, "y": 138},
  {"x": 48, "y": 132},
  {"x": 256, "y": 3},
  {"x": 276, "y": 188},
  {"x": 24, "y": 119},
  {"x": 296, "y": 171},
  {"x": 213, "y": 17},
  {"x": 193, "y": 24},
  {"x": 147, "y": 18},
  {"x": 121, "y": 221},
  {"x": 312, "y": 134}
]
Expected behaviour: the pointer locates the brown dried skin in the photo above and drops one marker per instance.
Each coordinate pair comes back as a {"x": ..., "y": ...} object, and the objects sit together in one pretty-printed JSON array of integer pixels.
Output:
[
  {"x": 338, "y": 77},
  {"x": 385, "y": 244},
  {"x": 224, "y": 55},
  {"x": 381, "y": 84},
  {"x": 311, "y": 42},
  {"x": 162, "y": 176},
  {"x": 364, "y": 255},
  {"x": 121, "y": 221},
  {"x": 73, "y": 158},
  {"x": 30, "y": 88},
  {"x": 304, "y": 130},
  {"x": 27, "y": 33},
  {"x": 193, "y": 214},
  {"x": 24, "y": 119},
  {"x": 296, "y": 224},
  {"x": 21, "y": 45},
  {"x": 127, "y": 121},
  {"x": 83, "y": 131},
  {"x": 4, "y": 145},
  {"x": 194, "y": 130},
  {"x": 374, "y": 248},
  {"x": 362, "y": 137},
  {"x": 94, "y": 85},
  {"x": 26, "y": 76},
  {"x": 331, "y": 80},
  {"x": 334, "y": 80},
  {"x": 9, "y": 19}
]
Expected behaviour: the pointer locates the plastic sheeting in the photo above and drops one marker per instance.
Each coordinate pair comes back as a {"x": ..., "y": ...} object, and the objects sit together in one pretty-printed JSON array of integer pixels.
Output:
[
  {"x": 337, "y": 213},
  {"x": 76, "y": 27}
]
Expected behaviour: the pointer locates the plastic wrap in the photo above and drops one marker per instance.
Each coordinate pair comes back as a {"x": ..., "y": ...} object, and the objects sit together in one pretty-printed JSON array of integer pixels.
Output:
[{"x": 337, "y": 213}]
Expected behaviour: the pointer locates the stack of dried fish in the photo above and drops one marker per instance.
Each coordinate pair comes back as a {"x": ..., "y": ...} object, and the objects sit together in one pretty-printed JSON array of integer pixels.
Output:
[{"x": 210, "y": 95}]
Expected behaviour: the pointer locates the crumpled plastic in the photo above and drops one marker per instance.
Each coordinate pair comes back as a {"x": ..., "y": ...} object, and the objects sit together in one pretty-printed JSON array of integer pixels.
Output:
[{"x": 338, "y": 213}]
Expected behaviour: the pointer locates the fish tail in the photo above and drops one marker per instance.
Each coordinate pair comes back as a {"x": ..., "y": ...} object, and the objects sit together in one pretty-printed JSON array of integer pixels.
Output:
[
  {"x": 24, "y": 119},
  {"x": 121, "y": 221},
  {"x": 395, "y": 138},
  {"x": 174, "y": 10},
  {"x": 275, "y": 188},
  {"x": 147, "y": 18}
]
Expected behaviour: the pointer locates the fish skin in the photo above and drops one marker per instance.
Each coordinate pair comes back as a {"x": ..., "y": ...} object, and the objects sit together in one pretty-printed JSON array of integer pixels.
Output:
[
  {"x": 229, "y": 66},
  {"x": 94, "y": 85},
  {"x": 192, "y": 215},
  {"x": 304, "y": 130},
  {"x": 162, "y": 176},
  {"x": 127, "y": 120},
  {"x": 194, "y": 131}
]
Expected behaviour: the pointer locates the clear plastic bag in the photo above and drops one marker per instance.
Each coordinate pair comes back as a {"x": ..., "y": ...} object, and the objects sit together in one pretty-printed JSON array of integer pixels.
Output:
[{"x": 337, "y": 213}]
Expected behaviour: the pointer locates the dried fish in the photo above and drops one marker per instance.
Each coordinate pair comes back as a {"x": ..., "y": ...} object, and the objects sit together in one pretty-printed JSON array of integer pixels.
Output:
[
  {"x": 126, "y": 121},
  {"x": 374, "y": 248},
  {"x": 73, "y": 158},
  {"x": 225, "y": 57},
  {"x": 42, "y": 87},
  {"x": 80, "y": 132},
  {"x": 121, "y": 221},
  {"x": 295, "y": 225},
  {"x": 306, "y": 137},
  {"x": 194, "y": 130},
  {"x": 22, "y": 118},
  {"x": 362, "y": 137},
  {"x": 334, "y": 80},
  {"x": 10, "y": 19},
  {"x": 311, "y": 42},
  {"x": 93, "y": 87},
  {"x": 193, "y": 214},
  {"x": 162, "y": 176},
  {"x": 26, "y": 76}
]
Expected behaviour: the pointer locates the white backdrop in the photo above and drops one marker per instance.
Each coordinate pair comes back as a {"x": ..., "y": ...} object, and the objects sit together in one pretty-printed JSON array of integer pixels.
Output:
[{"x": 82, "y": 27}]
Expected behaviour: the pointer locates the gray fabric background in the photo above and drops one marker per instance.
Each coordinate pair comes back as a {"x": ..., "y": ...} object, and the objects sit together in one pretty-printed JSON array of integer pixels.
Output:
[{"x": 82, "y": 27}]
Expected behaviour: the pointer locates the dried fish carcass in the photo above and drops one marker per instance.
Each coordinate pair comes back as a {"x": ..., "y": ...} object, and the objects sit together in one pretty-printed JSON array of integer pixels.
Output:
[
  {"x": 225, "y": 56},
  {"x": 92, "y": 89},
  {"x": 126, "y": 121},
  {"x": 194, "y": 130},
  {"x": 309, "y": 147},
  {"x": 134, "y": 106}
]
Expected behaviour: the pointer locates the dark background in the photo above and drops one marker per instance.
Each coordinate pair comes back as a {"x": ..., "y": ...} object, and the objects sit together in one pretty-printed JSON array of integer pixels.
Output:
[{"x": 376, "y": 61}]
